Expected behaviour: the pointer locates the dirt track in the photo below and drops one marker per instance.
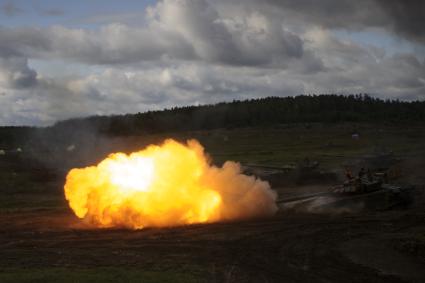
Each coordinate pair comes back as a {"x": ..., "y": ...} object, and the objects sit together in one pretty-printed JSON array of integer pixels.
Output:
[{"x": 289, "y": 248}]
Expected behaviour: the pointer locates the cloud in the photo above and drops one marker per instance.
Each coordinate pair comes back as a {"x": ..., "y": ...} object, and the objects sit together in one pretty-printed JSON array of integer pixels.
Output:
[
  {"x": 404, "y": 18},
  {"x": 196, "y": 51},
  {"x": 407, "y": 18},
  {"x": 177, "y": 29},
  {"x": 131, "y": 89},
  {"x": 10, "y": 9},
  {"x": 15, "y": 73}
]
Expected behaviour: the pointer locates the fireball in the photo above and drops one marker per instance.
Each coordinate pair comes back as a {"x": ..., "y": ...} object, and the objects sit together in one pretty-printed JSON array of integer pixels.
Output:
[{"x": 165, "y": 185}]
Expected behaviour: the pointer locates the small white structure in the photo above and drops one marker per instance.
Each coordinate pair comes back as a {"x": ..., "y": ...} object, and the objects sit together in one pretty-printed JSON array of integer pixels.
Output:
[
  {"x": 19, "y": 149},
  {"x": 355, "y": 136},
  {"x": 2, "y": 152},
  {"x": 70, "y": 148}
]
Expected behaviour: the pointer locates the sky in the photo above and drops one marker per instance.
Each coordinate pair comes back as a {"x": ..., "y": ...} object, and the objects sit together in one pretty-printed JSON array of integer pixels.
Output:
[{"x": 65, "y": 59}]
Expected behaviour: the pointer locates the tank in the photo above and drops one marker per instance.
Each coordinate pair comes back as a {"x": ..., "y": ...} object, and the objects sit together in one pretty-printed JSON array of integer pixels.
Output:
[{"x": 354, "y": 195}]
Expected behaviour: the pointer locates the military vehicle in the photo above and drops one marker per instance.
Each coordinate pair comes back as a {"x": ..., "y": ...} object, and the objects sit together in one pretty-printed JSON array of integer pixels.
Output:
[{"x": 361, "y": 193}]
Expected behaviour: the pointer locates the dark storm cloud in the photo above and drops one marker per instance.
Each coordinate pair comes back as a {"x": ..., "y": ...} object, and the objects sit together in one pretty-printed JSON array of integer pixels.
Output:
[{"x": 405, "y": 18}]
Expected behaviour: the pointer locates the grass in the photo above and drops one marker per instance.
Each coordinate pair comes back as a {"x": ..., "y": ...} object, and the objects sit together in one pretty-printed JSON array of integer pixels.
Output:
[
  {"x": 30, "y": 201},
  {"x": 93, "y": 275},
  {"x": 329, "y": 144},
  {"x": 19, "y": 192}
]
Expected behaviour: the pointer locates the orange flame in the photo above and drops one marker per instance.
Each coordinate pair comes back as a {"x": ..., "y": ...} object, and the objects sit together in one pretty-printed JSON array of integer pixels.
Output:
[{"x": 167, "y": 185}]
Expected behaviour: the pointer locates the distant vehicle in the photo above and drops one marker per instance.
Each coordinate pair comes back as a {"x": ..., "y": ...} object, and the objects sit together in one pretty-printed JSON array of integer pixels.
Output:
[{"x": 365, "y": 193}]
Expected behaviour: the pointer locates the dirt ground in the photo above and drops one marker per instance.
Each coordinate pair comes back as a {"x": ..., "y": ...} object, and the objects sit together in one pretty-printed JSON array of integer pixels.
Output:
[
  {"x": 285, "y": 248},
  {"x": 42, "y": 241}
]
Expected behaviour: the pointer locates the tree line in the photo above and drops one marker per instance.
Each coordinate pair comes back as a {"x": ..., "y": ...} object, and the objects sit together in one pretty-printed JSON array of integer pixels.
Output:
[{"x": 327, "y": 108}]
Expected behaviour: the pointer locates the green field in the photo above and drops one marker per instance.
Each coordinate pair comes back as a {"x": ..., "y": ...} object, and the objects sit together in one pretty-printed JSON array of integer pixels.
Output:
[{"x": 331, "y": 144}]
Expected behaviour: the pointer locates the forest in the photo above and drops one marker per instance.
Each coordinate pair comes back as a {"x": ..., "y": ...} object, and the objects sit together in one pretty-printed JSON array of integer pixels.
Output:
[
  {"x": 262, "y": 112},
  {"x": 328, "y": 108}
]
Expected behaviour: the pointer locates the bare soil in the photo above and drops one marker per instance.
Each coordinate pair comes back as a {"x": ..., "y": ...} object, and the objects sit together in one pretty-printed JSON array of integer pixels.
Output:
[
  {"x": 284, "y": 248},
  {"x": 39, "y": 232}
]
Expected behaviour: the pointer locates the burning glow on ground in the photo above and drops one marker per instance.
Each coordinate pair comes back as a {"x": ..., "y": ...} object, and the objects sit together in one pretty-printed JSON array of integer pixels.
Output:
[{"x": 167, "y": 185}]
